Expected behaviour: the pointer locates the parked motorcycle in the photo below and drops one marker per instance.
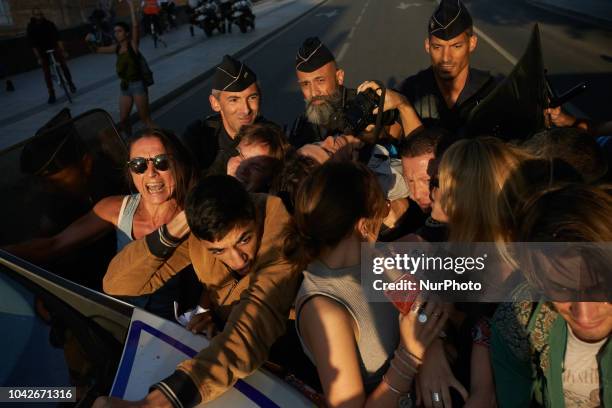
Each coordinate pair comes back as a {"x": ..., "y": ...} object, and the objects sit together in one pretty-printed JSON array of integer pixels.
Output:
[
  {"x": 242, "y": 15},
  {"x": 207, "y": 16}
]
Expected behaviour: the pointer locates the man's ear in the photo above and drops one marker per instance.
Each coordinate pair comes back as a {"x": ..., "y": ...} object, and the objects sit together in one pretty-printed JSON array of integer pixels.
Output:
[
  {"x": 214, "y": 103},
  {"x": 473, "y": 42},
  {"x": 427, "y": 45},
  {"x": 340, "y": 76}
]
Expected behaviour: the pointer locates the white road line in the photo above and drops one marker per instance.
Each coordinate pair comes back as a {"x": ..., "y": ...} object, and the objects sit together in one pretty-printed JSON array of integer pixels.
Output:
[
  {"x": 351, "y": 33},
  {"x": 358, "y": 20},
  {"x": 509, "y": 57},
  {"x": 343, "y": 50}
]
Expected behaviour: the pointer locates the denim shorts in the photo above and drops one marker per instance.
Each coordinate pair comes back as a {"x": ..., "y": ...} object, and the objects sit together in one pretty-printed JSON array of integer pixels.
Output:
[{"x": 134, "y": 88}]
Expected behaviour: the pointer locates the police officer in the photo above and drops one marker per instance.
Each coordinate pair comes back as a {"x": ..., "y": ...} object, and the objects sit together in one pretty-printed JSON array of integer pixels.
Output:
[
  {"x": 321, "y": 82},
  {"x": 235, "y": 98},
  {"x": 446, "y": 92}
]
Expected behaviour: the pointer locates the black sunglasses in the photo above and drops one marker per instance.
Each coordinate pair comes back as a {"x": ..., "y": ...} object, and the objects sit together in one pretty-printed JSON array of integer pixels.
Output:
[{"x": 139, "y": 165}]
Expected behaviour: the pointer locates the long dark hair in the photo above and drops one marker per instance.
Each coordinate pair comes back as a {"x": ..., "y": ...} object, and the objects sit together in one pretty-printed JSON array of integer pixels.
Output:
[{"x": 180, "y": 164}]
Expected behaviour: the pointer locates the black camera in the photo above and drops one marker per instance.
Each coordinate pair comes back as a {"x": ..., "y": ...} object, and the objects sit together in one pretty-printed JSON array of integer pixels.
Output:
[{"x": 357, "y": 114}]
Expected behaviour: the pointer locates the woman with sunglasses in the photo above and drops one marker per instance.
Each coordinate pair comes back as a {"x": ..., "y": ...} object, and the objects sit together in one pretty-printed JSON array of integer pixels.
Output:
[
  {"x": 364, "y": 352},
  {"x": 159, "y": 169}
]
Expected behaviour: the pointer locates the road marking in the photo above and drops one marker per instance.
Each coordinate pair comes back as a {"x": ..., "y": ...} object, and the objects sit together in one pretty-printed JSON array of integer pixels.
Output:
[
  {"x": 342, "y": 51},
  {"x": 358, "y": 20},
  {"x": 351, "y": 33},
  {"x": 404, "y": 6}
]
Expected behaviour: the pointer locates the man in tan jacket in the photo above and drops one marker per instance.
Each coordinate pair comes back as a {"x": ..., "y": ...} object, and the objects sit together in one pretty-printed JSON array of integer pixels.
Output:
[{"x": 235, "y": 247}]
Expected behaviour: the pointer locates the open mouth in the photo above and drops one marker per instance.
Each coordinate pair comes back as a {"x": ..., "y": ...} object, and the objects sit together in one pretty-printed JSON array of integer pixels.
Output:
[{"x": 154, "y": 188}]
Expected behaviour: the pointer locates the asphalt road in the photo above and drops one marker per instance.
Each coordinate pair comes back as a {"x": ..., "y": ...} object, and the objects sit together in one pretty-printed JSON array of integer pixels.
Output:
[{"x": 383, "y": 39}]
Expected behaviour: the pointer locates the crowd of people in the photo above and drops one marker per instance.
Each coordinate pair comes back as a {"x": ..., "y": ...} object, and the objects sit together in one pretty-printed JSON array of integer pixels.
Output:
[{"x": 273, "y": 226}]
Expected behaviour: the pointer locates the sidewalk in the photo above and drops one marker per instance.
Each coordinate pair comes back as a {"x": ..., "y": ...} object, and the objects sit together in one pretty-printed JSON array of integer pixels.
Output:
[
  {"x": 186, "y": 61},
  {"x": 596, "y": 11}
]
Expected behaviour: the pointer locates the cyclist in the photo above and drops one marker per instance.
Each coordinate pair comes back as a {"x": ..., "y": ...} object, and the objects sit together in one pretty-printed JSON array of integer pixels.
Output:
[
  {"x": 133, "y": 88},
  {"x": 43, "y": 36}
]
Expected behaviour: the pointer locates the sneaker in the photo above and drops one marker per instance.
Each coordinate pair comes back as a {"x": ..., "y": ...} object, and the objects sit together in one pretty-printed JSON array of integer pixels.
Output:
[
  {"x": 51, "y": 98},
  {"x": 72, "y": 87},
  {"x": 9, "y": 86}
]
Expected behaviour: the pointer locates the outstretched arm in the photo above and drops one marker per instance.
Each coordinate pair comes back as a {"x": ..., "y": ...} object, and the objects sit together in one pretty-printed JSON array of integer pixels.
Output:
[
  {"x": 82, "y": 232},
  {"x": 135, "y": 24}
]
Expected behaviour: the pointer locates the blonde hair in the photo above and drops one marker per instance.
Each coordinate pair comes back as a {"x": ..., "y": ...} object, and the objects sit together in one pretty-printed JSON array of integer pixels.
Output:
[{"x": 479, "y": 186}]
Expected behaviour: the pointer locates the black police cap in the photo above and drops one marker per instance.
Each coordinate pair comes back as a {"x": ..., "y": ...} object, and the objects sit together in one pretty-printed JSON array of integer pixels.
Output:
[
  {"x": 312, "y": 55},
  {"x": 232, "y": 76},
  {"x": 450, "y": 19}
]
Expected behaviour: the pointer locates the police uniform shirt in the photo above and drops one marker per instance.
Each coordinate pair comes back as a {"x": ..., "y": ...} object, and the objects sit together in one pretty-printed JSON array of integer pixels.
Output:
[{"x": 424, "y": 94}]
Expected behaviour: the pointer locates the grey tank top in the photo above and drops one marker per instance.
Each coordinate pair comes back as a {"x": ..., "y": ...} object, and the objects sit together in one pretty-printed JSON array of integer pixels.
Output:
[
  {"x": 377, "y": 322},
  {"x": 126, "y": 220}
]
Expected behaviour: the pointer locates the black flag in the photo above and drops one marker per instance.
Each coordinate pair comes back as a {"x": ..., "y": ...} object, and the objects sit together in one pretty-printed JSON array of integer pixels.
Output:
[{"x": 514, "y": 109}]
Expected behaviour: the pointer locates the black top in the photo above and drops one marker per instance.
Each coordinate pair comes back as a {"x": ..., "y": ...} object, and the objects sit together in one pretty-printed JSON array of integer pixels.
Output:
[
  {"x": 304, "y": 132},
  {"x": 423, "y": 93},
  {"x": 42, "y": 34}
]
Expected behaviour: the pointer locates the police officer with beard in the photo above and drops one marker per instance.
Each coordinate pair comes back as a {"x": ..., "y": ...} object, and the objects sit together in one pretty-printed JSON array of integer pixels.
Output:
[
  {"x": 235, "y": 97},
  {"x": 445, "y": 93},
  {"x": 321, "y": 83},
  {"x": 326, "y": 97}
]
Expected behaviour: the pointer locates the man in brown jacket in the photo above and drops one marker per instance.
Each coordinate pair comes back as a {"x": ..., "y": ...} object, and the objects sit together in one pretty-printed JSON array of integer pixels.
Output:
[{"x": 235, "y": 246}]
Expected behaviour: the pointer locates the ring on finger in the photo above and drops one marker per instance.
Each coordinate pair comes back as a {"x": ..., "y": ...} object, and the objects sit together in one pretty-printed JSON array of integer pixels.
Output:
[
  {"x": 435, "y": 397},
  {"x": 422, "y": 317}
]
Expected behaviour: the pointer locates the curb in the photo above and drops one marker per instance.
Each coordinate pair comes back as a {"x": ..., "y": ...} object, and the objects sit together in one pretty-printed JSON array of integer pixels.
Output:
[
  {"x": 165, "y": 99},
  {"x": 587, "y": 18}
]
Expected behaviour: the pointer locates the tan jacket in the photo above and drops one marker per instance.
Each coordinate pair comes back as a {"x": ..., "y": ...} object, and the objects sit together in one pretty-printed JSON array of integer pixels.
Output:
[{"x": 261, "y": 300}]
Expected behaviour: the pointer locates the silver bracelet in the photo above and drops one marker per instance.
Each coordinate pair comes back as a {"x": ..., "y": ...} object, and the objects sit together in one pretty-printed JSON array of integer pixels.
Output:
[
  {"x": 410, "y": 355},
  {"x": 412, "y": 365},
  {"x": 407, "y": 377},
  {"x": 392, "y": 388}
]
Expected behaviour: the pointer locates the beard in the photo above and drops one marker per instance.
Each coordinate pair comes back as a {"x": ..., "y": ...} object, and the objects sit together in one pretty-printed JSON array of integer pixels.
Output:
[{"x": 320, "y": 113}]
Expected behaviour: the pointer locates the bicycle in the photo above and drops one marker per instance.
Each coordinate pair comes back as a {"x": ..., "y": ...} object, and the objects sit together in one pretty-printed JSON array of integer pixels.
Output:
[{"x": 57, "y": 75}]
